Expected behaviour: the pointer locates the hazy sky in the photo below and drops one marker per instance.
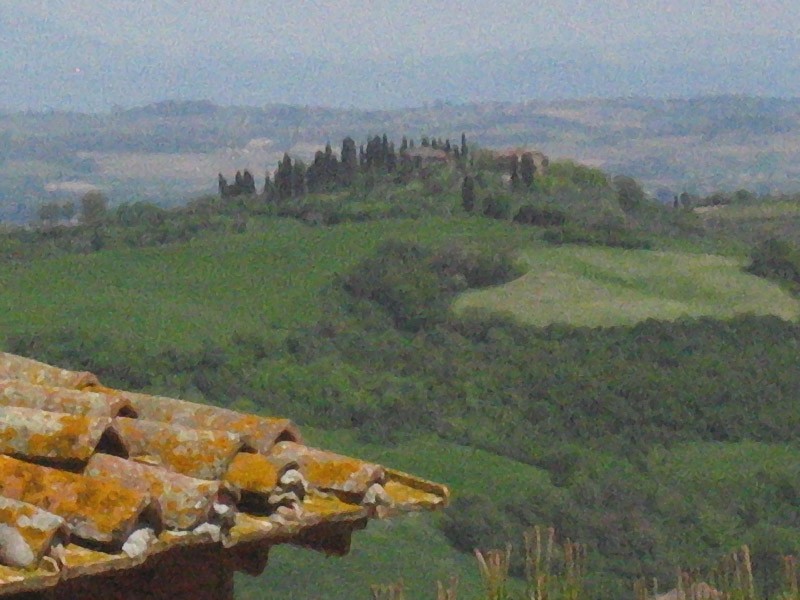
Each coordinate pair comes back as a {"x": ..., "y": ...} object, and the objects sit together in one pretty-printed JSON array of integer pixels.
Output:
[
  {"x": 380, "y": 28},
  {"x": 62, "y": 35}
]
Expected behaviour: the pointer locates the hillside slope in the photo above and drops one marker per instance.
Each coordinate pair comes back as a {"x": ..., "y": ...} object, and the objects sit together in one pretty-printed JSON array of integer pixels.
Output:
[{"x": 590, "y": 286}]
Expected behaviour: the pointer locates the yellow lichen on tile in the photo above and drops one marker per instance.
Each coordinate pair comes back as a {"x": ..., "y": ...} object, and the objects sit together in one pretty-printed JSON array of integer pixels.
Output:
[
  {"x": 252, "y": 473},
  {"x": 14, "y": 581},
  {"x": 200, "y": 453},
  {"x": 98, "y": 510},
  {"x": 412, "y": 498},
  {"x": 39, "y": 434},
  {"x": 331, "y": 508}
]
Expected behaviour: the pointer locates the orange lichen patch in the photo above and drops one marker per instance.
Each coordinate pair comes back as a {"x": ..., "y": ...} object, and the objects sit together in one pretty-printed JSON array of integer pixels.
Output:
[
  {"x": 26, "y": 533},
  {"x": 32, "y": 371},
  {"x": 405, "y": 498},
  {"x": 199, "y": 453},
  {"x": 16, "y": 581},
  {"x": 63, "y": 400},
  {"x": 437, "y": 489},
  {"x": 100, "y": 511},
  {"x": 39, "y": 434},
  {"x": 253, "y": 473},
  {"x": 259, "y": 432},
  {"x": 329, "y": 471},
  {"x": 184, "y": 502},
  {"x": 78, "y": 561}
]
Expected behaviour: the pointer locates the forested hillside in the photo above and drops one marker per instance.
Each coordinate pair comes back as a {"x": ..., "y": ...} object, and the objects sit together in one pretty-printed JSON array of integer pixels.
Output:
[
  {"x": 558, "y": 347},
  {"x": 171, "y": 151}
]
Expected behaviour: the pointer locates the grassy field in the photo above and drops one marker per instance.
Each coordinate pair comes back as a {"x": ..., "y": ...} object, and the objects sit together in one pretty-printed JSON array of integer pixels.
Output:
[
  {"x": 754, "y": 223},
  {"x": 602, "y": 287},
  {"x": 210, "y": 287}
]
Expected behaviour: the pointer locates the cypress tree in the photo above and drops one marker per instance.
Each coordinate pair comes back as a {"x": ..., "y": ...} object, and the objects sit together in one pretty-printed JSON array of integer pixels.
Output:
[
  {"x": 283, "y": 178},
  {"x": 269, "y": 188},
  {"x": 515, "y": 174},
  {"x": 464, "y": 150},
  {"x": 404, "y": 145},
  {"x": 527, "y": 169},
  {"x": 248, "y": 183},
  {"x": 391, "y": 159},
  {"x": 468, "y": 194},
  {"x": 349, "y": 161},
  {"x": 299, "y": 179}
]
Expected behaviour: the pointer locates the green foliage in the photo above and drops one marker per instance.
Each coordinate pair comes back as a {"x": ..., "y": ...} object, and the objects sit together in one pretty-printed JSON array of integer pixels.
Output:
[
  {"x": 94, "y": 206},
  {"x": 629, "y": 193},
  {"x": 777, "y": 259}
]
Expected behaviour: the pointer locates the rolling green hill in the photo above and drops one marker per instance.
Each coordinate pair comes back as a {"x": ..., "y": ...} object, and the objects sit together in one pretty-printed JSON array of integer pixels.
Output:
[
  {"x": 604, "y": 286},
  {"x": 606, "y": 434},
  {"x": 211, "y": 287}
]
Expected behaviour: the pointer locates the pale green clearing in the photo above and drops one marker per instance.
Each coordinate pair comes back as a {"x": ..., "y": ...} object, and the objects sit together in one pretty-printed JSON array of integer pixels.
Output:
[{"x": 585, "y": 286}]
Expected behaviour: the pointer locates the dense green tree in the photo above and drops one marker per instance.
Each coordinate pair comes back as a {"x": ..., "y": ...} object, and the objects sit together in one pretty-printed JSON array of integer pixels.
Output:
[
  {"x": 248, "y": 185},
  {"x": 269, "y": 188},
  {"x": 283, "y": 178},
  {"x": 527, "y": 169},
  {"x": 468, "y": 194},
  {"x": 630, "y": 194},
  {"x": 68, "y": 210},
  {"x": 94, "y": 206},
  {"x": 349, "y": 165},
  {"x": 299, "y": 179},
  {"x": 464, "y": 149},
  {"x": 49, "y": 213}
]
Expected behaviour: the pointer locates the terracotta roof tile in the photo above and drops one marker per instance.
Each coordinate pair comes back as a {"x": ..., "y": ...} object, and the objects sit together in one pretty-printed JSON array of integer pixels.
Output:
[
  {"x": 138, "y": 475},
  {"x": 75, "y": 402},
  {"x": 183, "y": 502},
  {"x": 201, "y": 453},
  {"x": 27, "y": 532},
  {"x": 38, "y": 373},
  {"x": 39, "y": 435},
  {"x": 95, "y": 510}
]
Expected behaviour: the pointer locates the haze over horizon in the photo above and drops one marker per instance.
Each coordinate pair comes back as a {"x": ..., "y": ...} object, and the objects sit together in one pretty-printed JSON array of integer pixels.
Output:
[{"x": 78, "y": 55}]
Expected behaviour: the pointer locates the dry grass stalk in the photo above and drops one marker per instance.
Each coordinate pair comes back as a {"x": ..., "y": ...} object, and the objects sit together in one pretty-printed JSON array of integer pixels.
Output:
[
  {"x": 748, "y": 570},
  {"x": 790, "y": 577},
  {"x": 449, "y": 592},
  {"x": 494, "y": 571},
  {"x": 391, "y": 591}
]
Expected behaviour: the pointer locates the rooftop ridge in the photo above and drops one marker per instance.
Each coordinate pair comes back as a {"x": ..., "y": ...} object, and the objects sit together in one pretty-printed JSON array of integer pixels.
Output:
[{"x": 115, "y": 479}]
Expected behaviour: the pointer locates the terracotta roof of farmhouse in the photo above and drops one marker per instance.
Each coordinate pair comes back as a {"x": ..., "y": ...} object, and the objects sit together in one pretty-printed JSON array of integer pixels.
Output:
[{"x": 94, "y": 480}]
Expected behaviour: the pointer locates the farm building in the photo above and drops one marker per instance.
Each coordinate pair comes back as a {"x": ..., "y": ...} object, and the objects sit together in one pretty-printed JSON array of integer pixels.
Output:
[{"x": 111, "y": 494}]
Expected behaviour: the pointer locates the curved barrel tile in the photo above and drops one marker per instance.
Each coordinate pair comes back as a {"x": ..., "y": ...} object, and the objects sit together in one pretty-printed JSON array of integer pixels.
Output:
[
  {"x": 38, "y": 373},
  {"x": 259, "y": 432},
  {"x": 97, "y": 511},
  {"x": 41, "y": 435},
  {"x": 14, "y": 392},
  {"x": 184, "y": 502},
  {"x": 27, "y": 532},
  {"x": 329, "y": 471},
  {"x": 200, "y": 453}
]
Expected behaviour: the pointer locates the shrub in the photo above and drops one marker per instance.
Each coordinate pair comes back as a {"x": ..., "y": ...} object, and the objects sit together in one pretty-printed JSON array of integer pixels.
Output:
[{"x": 777, "y": 260}]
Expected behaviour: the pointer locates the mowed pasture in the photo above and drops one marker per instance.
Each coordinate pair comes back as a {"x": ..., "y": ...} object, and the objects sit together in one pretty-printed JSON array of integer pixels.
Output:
[
  {"x": 754, "y": 223},
  {"x": 585, "y": 286},
  {"x": 264, "y": 281}
]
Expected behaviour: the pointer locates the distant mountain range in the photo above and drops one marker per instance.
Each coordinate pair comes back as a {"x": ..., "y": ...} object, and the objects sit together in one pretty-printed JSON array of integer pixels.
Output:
[{"x": 68, "y": 72}]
